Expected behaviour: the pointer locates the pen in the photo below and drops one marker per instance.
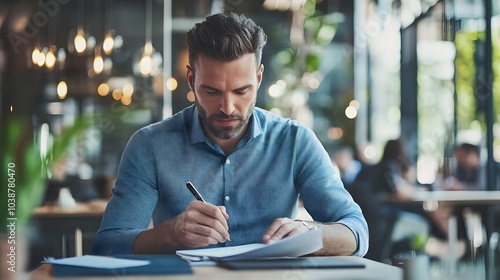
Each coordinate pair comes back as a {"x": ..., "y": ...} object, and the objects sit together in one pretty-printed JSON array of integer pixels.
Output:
[
  {"x": 197, "y": 195},
  {"x": 194, "y": 191}
]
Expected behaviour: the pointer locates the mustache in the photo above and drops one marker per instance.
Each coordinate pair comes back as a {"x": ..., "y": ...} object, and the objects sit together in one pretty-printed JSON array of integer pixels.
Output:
[{"x": 222, "y": 116}]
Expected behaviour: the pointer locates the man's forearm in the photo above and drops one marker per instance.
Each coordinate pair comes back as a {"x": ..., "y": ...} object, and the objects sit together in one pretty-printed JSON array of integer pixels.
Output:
[{"x": 338, "y": 240}]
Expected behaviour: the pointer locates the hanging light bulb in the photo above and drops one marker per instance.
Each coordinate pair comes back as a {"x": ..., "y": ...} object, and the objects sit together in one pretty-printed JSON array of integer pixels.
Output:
[
  {"x": 62, "y": 89},
  {"x": 112, "y": 42},
  {"x": 35, "y": 54},
  {"x": 80, "y": 42},
  {"x": 147, "y": 61},
  {"x": 50, "y": 57},
  {"x": 98, "y": 64},
  {"x": 41, "y": 57},
  {"x": 109, "y": 43}
]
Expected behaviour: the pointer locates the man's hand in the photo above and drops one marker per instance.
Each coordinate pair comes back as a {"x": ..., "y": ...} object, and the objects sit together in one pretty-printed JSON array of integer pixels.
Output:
[
  {"x": 202, "y": 224},
  {"x": 338, "y": 240},
  {"x": 283, "y": 227}
]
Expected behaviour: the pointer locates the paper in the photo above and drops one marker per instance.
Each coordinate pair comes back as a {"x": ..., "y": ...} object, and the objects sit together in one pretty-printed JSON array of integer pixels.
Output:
[
  {"x": 294, "y": 246},
  {"x": 98, "y": 262}
]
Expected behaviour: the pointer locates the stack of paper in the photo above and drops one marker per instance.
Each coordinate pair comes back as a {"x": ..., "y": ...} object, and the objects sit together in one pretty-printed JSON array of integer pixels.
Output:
[{"x": 294, "y": 246}]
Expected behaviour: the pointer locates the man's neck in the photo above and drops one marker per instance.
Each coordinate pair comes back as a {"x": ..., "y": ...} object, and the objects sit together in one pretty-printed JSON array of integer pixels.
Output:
[{"x": 227, "y": 145}]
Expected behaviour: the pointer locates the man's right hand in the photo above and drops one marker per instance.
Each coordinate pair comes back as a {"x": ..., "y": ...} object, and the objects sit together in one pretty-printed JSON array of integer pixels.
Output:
[{"x": 202, "y": 224}]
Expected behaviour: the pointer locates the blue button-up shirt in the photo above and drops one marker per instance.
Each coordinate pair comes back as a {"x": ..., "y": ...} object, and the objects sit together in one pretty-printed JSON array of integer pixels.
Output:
[{"x": 275, "y": 161}]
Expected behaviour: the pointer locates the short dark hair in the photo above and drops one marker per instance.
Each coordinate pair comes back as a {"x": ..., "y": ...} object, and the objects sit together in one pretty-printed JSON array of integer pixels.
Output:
[
  {"x": 395, "y": 151},
  {"x": 468, "y": 148},
  {"x": 225, "y": 36}
]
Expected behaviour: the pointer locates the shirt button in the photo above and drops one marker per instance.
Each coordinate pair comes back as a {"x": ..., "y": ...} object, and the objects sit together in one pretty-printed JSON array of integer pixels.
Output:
[
  {"x": 227, "y": 198},
  {"x": 228, "y": 161}
]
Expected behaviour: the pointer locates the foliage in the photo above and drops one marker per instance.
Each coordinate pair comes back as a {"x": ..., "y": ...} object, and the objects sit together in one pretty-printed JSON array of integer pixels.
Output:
[
  {"x": 26, "y": 169},
  {"x": 299, "y": 65},
  {"x": 418, "y": 242},
  {"x": 466, "y": 81}
]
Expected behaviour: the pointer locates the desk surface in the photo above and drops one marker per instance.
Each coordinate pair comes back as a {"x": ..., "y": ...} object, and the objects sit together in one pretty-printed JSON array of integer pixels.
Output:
[
  {"x": 373, "y": 270},
  {"x": 92, "y": 208}
]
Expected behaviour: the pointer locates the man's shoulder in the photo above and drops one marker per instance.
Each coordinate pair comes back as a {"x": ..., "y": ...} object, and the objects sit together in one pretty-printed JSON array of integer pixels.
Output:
[
  {"x": 269, "y": 120},
  {"x": 177, "y": 122}
]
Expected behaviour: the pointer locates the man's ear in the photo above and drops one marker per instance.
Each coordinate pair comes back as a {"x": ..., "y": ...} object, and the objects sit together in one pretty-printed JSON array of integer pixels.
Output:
[
  {"x": 190, "y": 77},
  {"x": 259, "y": 75}
]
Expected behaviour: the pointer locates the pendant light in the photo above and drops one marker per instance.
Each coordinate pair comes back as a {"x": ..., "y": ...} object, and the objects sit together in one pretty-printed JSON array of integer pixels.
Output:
[
  {"x": 81, "y": 42},
  {"x": 147, "y": 61},
  {"x": 112, "y": 40}
]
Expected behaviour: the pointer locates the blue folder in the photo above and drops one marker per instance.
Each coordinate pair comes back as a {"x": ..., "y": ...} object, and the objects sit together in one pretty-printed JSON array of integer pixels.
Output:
[{"x": 159, "y": 265}]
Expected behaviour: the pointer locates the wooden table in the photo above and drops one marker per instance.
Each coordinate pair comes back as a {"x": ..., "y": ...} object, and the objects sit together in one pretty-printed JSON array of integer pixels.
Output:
[
  {"x": 91, "y": 208},
  {"x": 373, "y": 270}
]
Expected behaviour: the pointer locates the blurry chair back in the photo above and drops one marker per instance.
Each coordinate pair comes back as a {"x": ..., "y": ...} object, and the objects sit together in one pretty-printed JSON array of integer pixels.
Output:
[{"x": 380, "y": 221}]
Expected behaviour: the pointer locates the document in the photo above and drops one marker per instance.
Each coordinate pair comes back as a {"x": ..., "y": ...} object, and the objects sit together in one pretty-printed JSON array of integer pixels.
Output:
[{"x": 294, "y": 246}]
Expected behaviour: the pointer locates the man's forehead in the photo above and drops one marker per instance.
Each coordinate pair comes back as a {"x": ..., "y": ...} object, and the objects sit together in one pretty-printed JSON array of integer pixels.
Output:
[{"x": 202, "y": 58}]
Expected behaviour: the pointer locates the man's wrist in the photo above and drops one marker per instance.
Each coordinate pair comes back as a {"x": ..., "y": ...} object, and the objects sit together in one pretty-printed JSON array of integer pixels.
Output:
[{"x": 308, "y": 225}]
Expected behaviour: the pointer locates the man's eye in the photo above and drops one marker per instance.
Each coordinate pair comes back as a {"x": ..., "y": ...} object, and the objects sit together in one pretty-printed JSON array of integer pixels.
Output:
[
  {"x": 241, "y": 92},
  {"x": 208, "y": 91}
]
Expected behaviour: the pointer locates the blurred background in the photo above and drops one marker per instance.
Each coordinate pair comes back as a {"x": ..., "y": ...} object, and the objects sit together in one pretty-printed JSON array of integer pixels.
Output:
[{"x": 359, "y": 73}]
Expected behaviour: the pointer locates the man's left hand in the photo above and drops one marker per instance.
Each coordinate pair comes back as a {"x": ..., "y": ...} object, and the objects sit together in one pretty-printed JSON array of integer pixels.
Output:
[{"x": 283, "y": 227}]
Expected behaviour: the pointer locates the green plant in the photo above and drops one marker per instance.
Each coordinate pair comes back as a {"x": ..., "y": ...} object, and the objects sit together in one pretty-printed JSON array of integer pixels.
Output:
[
  {"x": 418, "y": 242},
  {"x": 24, "y": 169}
]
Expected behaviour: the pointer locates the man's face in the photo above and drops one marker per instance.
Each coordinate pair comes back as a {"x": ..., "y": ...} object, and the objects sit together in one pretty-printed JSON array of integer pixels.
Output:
[{"x": 225, "y": 93}]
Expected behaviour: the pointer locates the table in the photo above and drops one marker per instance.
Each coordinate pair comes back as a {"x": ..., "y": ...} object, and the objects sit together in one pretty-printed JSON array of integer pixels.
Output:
[
  {"x": 84, "y": 218},
  {"x": 91, "y": 208},
  {"x": 373, "y": 270},
  {"x": 466, "y": 198},
  {"x": 431, "y": 199}
]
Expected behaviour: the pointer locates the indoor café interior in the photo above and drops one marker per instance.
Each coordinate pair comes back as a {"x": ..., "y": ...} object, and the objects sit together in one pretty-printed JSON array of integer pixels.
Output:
[{"x": 403, "y": 96}]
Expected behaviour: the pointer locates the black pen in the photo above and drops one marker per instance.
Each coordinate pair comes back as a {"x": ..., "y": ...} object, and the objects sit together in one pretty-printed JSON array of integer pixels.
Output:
[
  {"x": 197, "y": 195},
  {"x": 194, "y": 191}
]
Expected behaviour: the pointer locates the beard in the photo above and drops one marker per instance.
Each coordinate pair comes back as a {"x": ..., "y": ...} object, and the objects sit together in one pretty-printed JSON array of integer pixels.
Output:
[{"x": 224, "y": 132}]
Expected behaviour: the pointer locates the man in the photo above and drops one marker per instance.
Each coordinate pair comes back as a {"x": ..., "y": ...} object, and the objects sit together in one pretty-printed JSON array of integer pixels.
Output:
[
  {"x": 469, "y": 173},
  {"x": 349, "y": 167},
  {"x": 248, "y": 164}
]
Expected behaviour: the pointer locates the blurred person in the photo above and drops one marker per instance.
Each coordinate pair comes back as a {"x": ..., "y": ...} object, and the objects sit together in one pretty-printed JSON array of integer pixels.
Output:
[
  {"x": 365, "y": 153},
  {"x": 349, "y": 168},
  {"x": 468, "y": 172},
  {"x": 465, "y": 173},
  {"x": 394, "y": 175}
]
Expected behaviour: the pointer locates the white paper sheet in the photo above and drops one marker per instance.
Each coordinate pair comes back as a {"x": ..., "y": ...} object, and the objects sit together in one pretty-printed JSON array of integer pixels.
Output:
[
  {"x": 98, "y": 262},
  {"x": 293, "y": 246}
]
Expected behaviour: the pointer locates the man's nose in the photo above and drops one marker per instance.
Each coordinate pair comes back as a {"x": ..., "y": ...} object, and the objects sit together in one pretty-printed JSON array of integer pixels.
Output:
[{"x": 227, "y": 104}]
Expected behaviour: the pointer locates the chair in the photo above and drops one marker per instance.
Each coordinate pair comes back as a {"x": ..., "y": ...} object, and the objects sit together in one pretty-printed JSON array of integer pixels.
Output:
[{"x": 381, "y": 221}]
